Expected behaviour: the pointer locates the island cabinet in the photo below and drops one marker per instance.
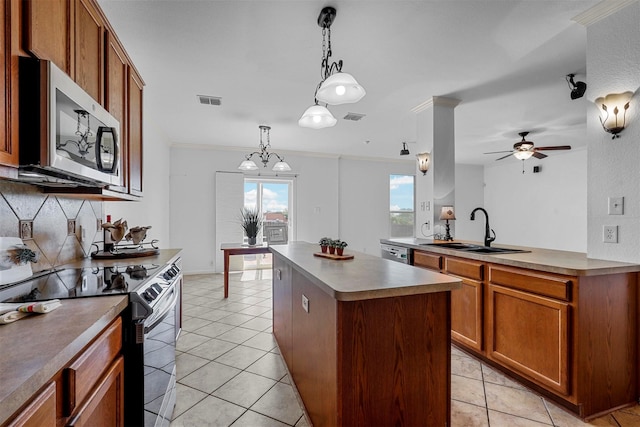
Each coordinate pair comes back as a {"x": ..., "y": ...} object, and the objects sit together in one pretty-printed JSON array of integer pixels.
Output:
[
  {"x": 366, "y": 341},
  {"x": 571, "y": 337}
]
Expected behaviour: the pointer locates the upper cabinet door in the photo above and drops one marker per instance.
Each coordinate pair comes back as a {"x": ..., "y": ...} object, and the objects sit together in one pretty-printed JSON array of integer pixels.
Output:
[
  {"x": 89, "y": 49},
  {"x": 116, "y": 98},
  {"x": 135, "y": 133},
  {"x": 48, "y": 31},
  {"x": 8, "y": 85}
]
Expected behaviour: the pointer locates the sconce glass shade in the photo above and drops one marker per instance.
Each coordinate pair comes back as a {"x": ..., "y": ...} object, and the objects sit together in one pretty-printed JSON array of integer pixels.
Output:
[
  {"x": 424, "y": 161},
  {"x": 248, "y": 165},
  {"x": 613, "y": 111},
  {"x": 522, "y": 155},
  {"x": 447, "y": 213},
  {"x": 281, "y": 166},
  {"x": 317, "y": 117},
  {"x": 340, "y": 88}
]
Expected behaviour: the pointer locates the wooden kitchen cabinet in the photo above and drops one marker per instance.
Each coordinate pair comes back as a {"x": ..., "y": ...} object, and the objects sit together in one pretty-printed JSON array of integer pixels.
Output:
[
  {"x": 89, "y": 30},
  {"x": 9, "y": 153},
  {"x": 282, "y": 310},
  {"x": 134, "y": 133},
  {"x": 41, "y": 412},
  {"x": 48, "y": 31},
  {"x": 528, "y": 314}
]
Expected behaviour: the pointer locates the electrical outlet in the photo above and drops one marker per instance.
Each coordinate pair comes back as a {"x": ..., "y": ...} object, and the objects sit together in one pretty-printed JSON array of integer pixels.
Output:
[
  {"x": 616, "y": 205},
  {"x": 610, "y": 234},
  {"x": 305, "y": 303}
]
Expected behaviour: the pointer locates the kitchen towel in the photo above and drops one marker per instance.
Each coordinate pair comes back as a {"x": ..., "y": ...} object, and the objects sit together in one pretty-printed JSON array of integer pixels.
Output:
[{"x": 11, "y": 316}]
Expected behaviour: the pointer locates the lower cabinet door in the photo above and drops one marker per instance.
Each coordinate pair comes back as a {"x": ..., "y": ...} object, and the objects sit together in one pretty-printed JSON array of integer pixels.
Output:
[
  {"x": 105, "y": 405},
  {"x": 529, "y": 334},
  {"x": 466, "y": 314},
  {"x": 41, "y": 412}
]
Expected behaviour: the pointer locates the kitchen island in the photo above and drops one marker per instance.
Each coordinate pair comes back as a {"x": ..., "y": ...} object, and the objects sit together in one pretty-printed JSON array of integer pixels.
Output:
[
  {"x": 563, "y": 324},
  {"x": 366, "y": 340}
]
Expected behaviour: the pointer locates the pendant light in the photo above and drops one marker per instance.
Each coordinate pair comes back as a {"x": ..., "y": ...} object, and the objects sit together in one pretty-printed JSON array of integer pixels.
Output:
[
  {"x": 336, "y": 86},
  {"x": 264, "y": 154}
]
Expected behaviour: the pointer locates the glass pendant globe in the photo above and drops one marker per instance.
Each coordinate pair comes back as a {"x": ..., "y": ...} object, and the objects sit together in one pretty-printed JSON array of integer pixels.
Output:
[
  {"x": 317, "y": 117},
  {"x": 523, "y": 155},
  {"x": 248, "y": 165},
  {"x": 340, "y": 88},
  {"x": 281, "y": 166}
]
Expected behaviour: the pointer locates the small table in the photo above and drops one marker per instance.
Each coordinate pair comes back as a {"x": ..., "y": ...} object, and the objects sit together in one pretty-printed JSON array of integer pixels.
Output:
[{"x": 237, "y": 249}]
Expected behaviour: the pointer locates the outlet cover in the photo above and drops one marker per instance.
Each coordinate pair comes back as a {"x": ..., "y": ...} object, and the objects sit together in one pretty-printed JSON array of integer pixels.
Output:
[
  {"x": 610, "y": 234},
  {"x": 616, "y": 205}
]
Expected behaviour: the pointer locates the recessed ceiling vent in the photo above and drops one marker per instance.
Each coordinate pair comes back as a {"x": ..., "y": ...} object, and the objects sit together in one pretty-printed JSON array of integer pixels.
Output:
[
  {"x": 209, "y": 100},
  {"x": 354, "y": 116}
]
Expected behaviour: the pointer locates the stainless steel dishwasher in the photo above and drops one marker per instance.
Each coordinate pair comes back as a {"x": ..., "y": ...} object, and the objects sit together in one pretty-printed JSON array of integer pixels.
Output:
[{"x": 396, "y": 253}]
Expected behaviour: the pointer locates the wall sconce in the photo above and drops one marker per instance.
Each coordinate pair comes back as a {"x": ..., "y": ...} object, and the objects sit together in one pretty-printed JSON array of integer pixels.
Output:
[
  {"x": 613, "y": 112},
  {"x": 424, "y": 161},
  {"x": 447, "y": 214}
]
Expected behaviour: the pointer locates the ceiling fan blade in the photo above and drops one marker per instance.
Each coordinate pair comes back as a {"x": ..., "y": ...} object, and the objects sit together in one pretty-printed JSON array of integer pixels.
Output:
[
  {"x": 554, "y": 147},
  {"x": 504, "y": 157},
  {"x": 539, "y": 155},
  {"x": 497, "y": 152}
]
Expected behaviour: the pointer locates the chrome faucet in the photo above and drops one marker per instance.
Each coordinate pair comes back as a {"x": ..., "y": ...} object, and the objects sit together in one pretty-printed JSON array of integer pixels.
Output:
[{"x": 487, "y": 230}]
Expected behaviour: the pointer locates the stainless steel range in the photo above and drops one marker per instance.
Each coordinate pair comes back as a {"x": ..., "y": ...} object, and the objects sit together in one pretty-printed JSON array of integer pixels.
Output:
[{"x": 151, "y": 326}]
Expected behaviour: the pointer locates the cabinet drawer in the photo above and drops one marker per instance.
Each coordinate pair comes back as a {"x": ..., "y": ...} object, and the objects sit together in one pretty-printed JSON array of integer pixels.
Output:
[
  {"x": 465, "y": 268},
  {"x": 557, "y": 287},
  {"x": 85, "y": 371},
  {"x": 423, "y": 259},
  {"x": 41, "y": 412}
]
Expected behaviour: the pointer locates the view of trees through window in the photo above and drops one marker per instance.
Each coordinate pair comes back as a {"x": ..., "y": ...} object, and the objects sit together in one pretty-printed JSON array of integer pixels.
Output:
[{"x": 402, "y": 206}]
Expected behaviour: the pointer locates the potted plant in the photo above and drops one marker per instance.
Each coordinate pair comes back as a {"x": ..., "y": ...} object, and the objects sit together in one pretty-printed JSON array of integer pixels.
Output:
[
  {"x": 340, "y": 245},
  {"x": 332, "y": 246},
  {"x": 324, "y": 244},
  {"x": 251, "y": 221}
]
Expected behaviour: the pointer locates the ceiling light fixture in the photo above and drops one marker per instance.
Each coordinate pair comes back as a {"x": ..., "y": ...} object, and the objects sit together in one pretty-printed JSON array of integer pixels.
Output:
[
  {"x": 618, "y": 104},
  {"x": 336, "y": 87},
  {"x": 577, "y": 89},
  {"x": 424, "y": 161},
  {"x": 405, "y": 150},
  {"x": 265, "y": 155}
]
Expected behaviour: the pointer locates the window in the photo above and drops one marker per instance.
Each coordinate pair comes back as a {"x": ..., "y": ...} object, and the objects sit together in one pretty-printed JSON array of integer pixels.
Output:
[{"x": 402, "y": 207}]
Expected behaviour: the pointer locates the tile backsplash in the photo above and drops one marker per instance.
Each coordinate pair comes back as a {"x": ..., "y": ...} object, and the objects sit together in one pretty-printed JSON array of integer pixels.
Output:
[{"x": 60, "y": 229}]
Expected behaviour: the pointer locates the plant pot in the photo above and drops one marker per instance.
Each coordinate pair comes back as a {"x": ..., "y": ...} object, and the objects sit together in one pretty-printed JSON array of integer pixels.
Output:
[
  {"x": 339, "y": 251},
  {"x": 252, "y": 240},
  {"x": 324, "y": 249},
  {"x": 332, "y": 250}
]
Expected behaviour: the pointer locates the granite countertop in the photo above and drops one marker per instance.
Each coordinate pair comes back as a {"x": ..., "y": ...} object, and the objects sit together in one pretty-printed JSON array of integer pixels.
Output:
[
  {"x": 36, "y": 347},
  {"x": 547, "y": 260},
  {"x": 363, "y": 277}
]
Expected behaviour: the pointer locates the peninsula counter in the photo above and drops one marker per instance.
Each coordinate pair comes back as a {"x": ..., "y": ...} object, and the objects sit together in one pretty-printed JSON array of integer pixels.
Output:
[{"x": 366, "y": 340}]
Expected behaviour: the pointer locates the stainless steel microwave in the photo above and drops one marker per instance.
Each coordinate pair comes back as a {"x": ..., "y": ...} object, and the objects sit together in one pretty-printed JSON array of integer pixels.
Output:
[{"x": 66, "y": 137}]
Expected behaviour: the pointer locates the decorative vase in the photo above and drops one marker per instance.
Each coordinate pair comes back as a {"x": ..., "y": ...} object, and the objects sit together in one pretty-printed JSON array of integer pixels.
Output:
[
  {"x": 324, "y": 249},
  {"x": 332, "y": 250},
  {"x": 339, "y": 251},
  {"x": 252, "y": 240}
]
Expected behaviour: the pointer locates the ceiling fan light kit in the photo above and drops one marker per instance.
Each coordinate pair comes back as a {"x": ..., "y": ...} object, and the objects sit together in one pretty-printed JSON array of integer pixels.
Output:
[
  {"x": 613, "y": 112},
  {"x": 336, "y": 87},
  {"x": 577, "y": 88},
  {"x": 249, "y": 165},
  {"x": 523, "y": 150}
]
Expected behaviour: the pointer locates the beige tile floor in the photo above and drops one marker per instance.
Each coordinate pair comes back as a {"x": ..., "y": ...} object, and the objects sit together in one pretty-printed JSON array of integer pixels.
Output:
[{"x": 230, "y": 371}]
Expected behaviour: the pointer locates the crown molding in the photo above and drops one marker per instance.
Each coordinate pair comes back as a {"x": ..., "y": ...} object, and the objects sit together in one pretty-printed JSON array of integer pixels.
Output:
[
  {"x": 440, "y": 101},
  {"x": 600, "y": 11}
]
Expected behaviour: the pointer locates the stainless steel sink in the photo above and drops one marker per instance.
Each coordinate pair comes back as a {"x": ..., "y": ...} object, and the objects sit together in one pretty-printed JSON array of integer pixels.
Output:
[{"x": 466, "y": 247}]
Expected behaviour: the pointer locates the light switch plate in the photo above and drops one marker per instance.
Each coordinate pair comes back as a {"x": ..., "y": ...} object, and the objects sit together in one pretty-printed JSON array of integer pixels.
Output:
[{"x": 616, "y": 205}]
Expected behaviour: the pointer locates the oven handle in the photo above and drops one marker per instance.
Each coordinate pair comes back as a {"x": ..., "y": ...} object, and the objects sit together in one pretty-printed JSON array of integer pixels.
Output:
[{"x": 160, "y": 317}]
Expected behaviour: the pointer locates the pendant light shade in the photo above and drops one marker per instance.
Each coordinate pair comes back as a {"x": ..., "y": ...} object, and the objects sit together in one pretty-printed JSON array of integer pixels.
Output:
[
  {"x": 523, "y": 155},
  {"x": 248, "y": 165},
  {"x": 317, "y": 117},
  {"x": 340, "y": 88},
  {"x": 281, "y": 167}
]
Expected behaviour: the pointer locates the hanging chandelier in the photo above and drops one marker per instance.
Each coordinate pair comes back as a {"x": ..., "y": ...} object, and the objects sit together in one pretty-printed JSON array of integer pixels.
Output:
[
  {"x": 264, "y": 154},
  {"x": 335, "y": 87}
]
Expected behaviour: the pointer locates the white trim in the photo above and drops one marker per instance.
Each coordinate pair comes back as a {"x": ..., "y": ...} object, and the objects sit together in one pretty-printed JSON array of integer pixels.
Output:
[
  {"x": 436, "y": 100},
  {"x": 600, "y": 11}
]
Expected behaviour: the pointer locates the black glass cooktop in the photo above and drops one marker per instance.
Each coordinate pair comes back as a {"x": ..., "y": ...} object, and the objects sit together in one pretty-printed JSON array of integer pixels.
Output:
[{"x": 79, "y": 283}]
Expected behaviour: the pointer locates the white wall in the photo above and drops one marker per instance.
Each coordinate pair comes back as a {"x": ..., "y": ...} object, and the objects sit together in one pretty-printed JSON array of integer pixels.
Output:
[
  {"x": 193, "y": 200},
  {"x": 469, "y": 195},
  {"x": 364, "y": 200},
  {"x": 613, "y": 58},
  {"x": 153, "y": 209},
  {"x": 544, "y": 210}
]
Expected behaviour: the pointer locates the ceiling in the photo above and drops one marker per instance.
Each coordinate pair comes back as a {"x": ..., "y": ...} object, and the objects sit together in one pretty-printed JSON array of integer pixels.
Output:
[{"x": 505, "y": 61}]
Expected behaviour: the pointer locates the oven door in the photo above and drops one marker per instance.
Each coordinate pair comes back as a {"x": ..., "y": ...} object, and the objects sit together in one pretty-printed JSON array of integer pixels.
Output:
[{"x": 159, "y": 360}]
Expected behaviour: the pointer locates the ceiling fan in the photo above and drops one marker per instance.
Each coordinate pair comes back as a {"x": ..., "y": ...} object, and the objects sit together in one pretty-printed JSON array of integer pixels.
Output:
[{"x": 524, "y": 149}]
